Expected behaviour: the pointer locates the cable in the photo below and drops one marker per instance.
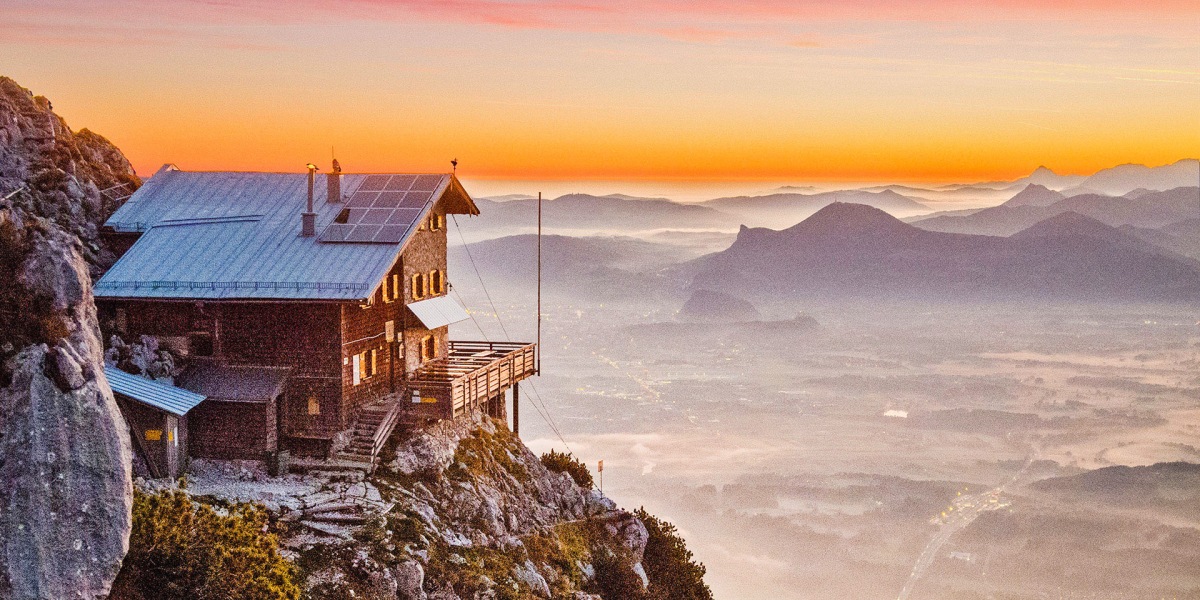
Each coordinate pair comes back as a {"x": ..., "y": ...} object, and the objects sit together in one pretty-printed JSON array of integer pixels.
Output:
[{"x": 542, "y": 410}]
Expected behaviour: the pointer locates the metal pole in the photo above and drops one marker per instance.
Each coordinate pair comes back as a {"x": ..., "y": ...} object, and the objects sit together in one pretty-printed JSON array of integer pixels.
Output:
[
  {"x": 516, "y": 409},
  {"x": 539, "y": 286}
]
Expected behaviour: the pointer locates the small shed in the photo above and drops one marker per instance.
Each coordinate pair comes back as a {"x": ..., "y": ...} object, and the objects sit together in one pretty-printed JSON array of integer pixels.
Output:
[
  {"x": 157, "y": 416},
  {"x": 240, "y": 418}
]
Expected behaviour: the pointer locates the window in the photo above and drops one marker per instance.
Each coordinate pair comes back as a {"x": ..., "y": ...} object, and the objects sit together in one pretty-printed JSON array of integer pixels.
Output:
[
  {"x": 314, "y": 406},
  {"x": 436, "y": 283},
  {"x": 428, "y": 348},
  {"x": 397, "y": 288},
  {"x": 419, "y": 286},
  {"x": 436, "y": 222},
  {"x": 374, "y": 366}
]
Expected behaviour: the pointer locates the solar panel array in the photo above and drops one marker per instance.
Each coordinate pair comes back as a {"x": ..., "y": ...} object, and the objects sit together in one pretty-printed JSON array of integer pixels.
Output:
[{"x": 383, "y": 208}]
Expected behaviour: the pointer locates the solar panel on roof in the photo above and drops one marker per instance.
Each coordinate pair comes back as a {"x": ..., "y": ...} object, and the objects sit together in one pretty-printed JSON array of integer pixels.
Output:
[
  {"x": 376, "y": 216},
  {"x": 427, "y": 183},
  {"x": 363, "y": 233},
  {"x": 390, "y": 199},
  {"x": 374, "y": 182},
  {"x": 416, "y": 199},
  {"x": 401, "y": 182},
  {"x": 403, "y": 216},
  {"x": 362, "y": 199},
  {"x": 336, "y": 232},
  {"x": 391, "y": 234}
]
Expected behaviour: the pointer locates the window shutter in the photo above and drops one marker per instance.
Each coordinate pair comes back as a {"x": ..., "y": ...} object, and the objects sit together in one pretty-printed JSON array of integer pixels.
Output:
[{"x": 356, "y": 366}]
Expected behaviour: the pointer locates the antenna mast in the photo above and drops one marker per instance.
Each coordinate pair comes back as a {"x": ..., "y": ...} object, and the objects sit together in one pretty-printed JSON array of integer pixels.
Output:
[{"x": 539, "y": 286}]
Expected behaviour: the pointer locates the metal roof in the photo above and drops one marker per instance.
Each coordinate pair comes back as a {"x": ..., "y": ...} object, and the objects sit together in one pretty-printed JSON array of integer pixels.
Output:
[
  {"x": 438, "y": 312},
  {"x": 235, "y": 383},
  {"x": 169, "y": 398},
  {"x": 230, "y": 235}
]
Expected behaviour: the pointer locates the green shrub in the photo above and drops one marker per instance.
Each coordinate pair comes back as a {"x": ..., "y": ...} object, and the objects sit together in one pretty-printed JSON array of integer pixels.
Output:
[
  {"x": 560, "y": 462},
  {"x": 669, "y": 566},
  {"x": 179, "y": 549},
  {"x": 615, "y": 578}
]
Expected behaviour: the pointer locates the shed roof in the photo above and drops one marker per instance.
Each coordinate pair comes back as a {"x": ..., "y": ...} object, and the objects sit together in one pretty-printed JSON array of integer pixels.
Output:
[
  {"x": 234, "y": 235},
  {"x": 235, "y": 383},
  {"x": 437, "y": 312},
  {"x": 169, "y": 398}
]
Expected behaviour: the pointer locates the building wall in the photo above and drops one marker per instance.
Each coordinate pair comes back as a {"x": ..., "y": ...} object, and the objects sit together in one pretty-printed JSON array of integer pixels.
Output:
[
  {"x": 232, "y": 430},
  {"x": 364, "y": 327},
  {"x": 160, "y": 437},
  {"x": 426, "y": 252},
  {"x": 303, "y": 336}
]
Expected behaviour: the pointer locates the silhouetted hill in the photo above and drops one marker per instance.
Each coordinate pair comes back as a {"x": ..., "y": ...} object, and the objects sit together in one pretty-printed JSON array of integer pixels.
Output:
[
  {"x": 583, "y": 211},
  {"x": 1152, "y": 210},
  {"x": 598, "y": 266},
  {"x": 1163, "y": 487},
  {"x": 1035, "y": 195},
  {"x": 710, "y": 306},
  {"x": 1123, "y": 179},
  {"x": 785, "y": 209},
  {"x": 854, "y": 250},
  {"x": 1045, "y": 177}
]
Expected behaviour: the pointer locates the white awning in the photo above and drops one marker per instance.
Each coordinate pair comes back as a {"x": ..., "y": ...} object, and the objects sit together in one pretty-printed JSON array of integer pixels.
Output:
[{"x": 438, "y": 312}]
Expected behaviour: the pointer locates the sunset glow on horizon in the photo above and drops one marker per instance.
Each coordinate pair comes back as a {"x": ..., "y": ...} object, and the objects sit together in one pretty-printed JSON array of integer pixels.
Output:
[{"x": 712, "y": 90}]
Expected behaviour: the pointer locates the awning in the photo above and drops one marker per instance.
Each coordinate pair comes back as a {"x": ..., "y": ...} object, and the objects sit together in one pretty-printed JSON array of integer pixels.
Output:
[
  {"x": 169, "y": 398},
  {"x": 439, "y": 312},
  {"x": 235, "y": 383}
]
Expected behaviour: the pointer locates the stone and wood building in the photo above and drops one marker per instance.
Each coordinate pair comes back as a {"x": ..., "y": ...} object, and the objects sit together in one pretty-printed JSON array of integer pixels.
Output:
[{"x": 313, "y": 312}]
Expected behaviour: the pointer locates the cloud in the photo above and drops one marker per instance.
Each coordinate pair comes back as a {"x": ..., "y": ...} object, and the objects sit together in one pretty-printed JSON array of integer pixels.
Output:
[{"x": 785, "y": 23}]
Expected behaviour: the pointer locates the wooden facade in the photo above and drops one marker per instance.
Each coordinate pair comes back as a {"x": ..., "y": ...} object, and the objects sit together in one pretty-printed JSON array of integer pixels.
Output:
[{"x": 342, "y": 356}]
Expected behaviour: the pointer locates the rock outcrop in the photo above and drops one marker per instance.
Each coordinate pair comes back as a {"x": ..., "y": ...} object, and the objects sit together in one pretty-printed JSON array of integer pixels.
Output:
[
  {"x": 65, "y": 490},
  {"x": 474, "y": 514}
]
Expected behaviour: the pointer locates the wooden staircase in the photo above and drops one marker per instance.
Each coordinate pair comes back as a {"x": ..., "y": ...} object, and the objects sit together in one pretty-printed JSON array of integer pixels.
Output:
[{"x": 374, "y": 425}]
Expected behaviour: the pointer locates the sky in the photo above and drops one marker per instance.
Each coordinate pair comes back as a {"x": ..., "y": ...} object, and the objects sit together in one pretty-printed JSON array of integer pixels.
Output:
[{"x": 615, "y": 90}]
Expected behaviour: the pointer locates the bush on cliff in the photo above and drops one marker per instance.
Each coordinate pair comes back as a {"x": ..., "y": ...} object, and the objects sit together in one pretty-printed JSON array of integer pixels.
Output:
[
  {"x": 672, "y": 572},
  {"x": 179, "y": 549},
  {"x": 560, "y": 462}
]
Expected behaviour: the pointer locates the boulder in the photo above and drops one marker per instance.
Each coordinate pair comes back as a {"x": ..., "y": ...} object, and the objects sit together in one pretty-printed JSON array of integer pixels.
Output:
[{"x": 64, "y": 448}]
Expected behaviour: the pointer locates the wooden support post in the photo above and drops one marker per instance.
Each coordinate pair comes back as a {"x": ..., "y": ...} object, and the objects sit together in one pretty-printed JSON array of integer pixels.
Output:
[{"x": 516, "y": 409}]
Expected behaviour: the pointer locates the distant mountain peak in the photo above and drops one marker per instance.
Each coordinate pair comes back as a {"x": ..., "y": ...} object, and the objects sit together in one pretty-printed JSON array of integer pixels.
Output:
[
  {"x": 1071, "y": 224},
  {"x": 842, "y": 218},
  {"x": 1035, "y": 194}
]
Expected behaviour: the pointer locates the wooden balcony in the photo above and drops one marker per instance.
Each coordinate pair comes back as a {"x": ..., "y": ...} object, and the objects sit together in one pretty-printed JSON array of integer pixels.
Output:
[{"x": 473, "y": 374}]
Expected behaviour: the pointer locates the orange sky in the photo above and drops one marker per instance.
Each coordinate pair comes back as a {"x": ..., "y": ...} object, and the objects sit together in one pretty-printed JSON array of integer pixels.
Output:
[{"x": 924, "y": 90}]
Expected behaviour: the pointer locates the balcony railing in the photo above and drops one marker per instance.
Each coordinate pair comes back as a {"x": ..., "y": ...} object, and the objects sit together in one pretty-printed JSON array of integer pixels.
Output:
[{"x": 475, "y": 372}]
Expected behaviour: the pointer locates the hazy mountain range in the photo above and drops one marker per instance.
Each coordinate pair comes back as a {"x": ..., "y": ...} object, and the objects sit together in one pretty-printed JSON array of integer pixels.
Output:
[{"x": 848, "y": 249}]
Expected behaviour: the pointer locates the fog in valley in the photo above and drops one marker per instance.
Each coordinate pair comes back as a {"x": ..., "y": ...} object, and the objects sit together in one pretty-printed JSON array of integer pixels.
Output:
[{"x": 847, "y": 405}]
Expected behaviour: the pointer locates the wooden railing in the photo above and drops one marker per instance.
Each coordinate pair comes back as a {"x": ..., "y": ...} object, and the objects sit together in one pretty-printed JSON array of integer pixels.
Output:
[
  {"x": 475, "y": 372},
  {"x": 383, "y": 432}
]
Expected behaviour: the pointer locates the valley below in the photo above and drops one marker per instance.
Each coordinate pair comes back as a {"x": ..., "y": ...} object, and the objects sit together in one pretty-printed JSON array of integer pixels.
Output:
[{"x": 865, "y": 448}]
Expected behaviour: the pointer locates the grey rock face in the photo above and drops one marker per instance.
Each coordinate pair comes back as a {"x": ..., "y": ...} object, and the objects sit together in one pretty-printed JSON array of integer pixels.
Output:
[
  {"x": 65, "y": 489},
  {"x": 64, "y": 450},
  {"x": 410, "y": 581}
]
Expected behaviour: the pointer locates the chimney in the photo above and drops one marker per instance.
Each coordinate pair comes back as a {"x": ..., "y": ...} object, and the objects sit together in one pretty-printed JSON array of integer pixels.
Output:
[
  {"x": 308, "y": 220},
  {"x": 334, "y": 180}
]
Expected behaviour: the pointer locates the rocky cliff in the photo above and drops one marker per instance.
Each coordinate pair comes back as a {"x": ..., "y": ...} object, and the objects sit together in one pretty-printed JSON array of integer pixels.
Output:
[
  {"x": 461, "y": 510},
  {"x": 65, "y": 489}
]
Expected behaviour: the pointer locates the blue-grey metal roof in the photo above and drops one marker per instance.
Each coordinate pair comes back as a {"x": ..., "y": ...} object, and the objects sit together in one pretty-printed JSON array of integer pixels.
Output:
[
  {"x": 169, "y": 398},
  {"x": 235, "y": 383},
  {"x": 232, "y": 235}
]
